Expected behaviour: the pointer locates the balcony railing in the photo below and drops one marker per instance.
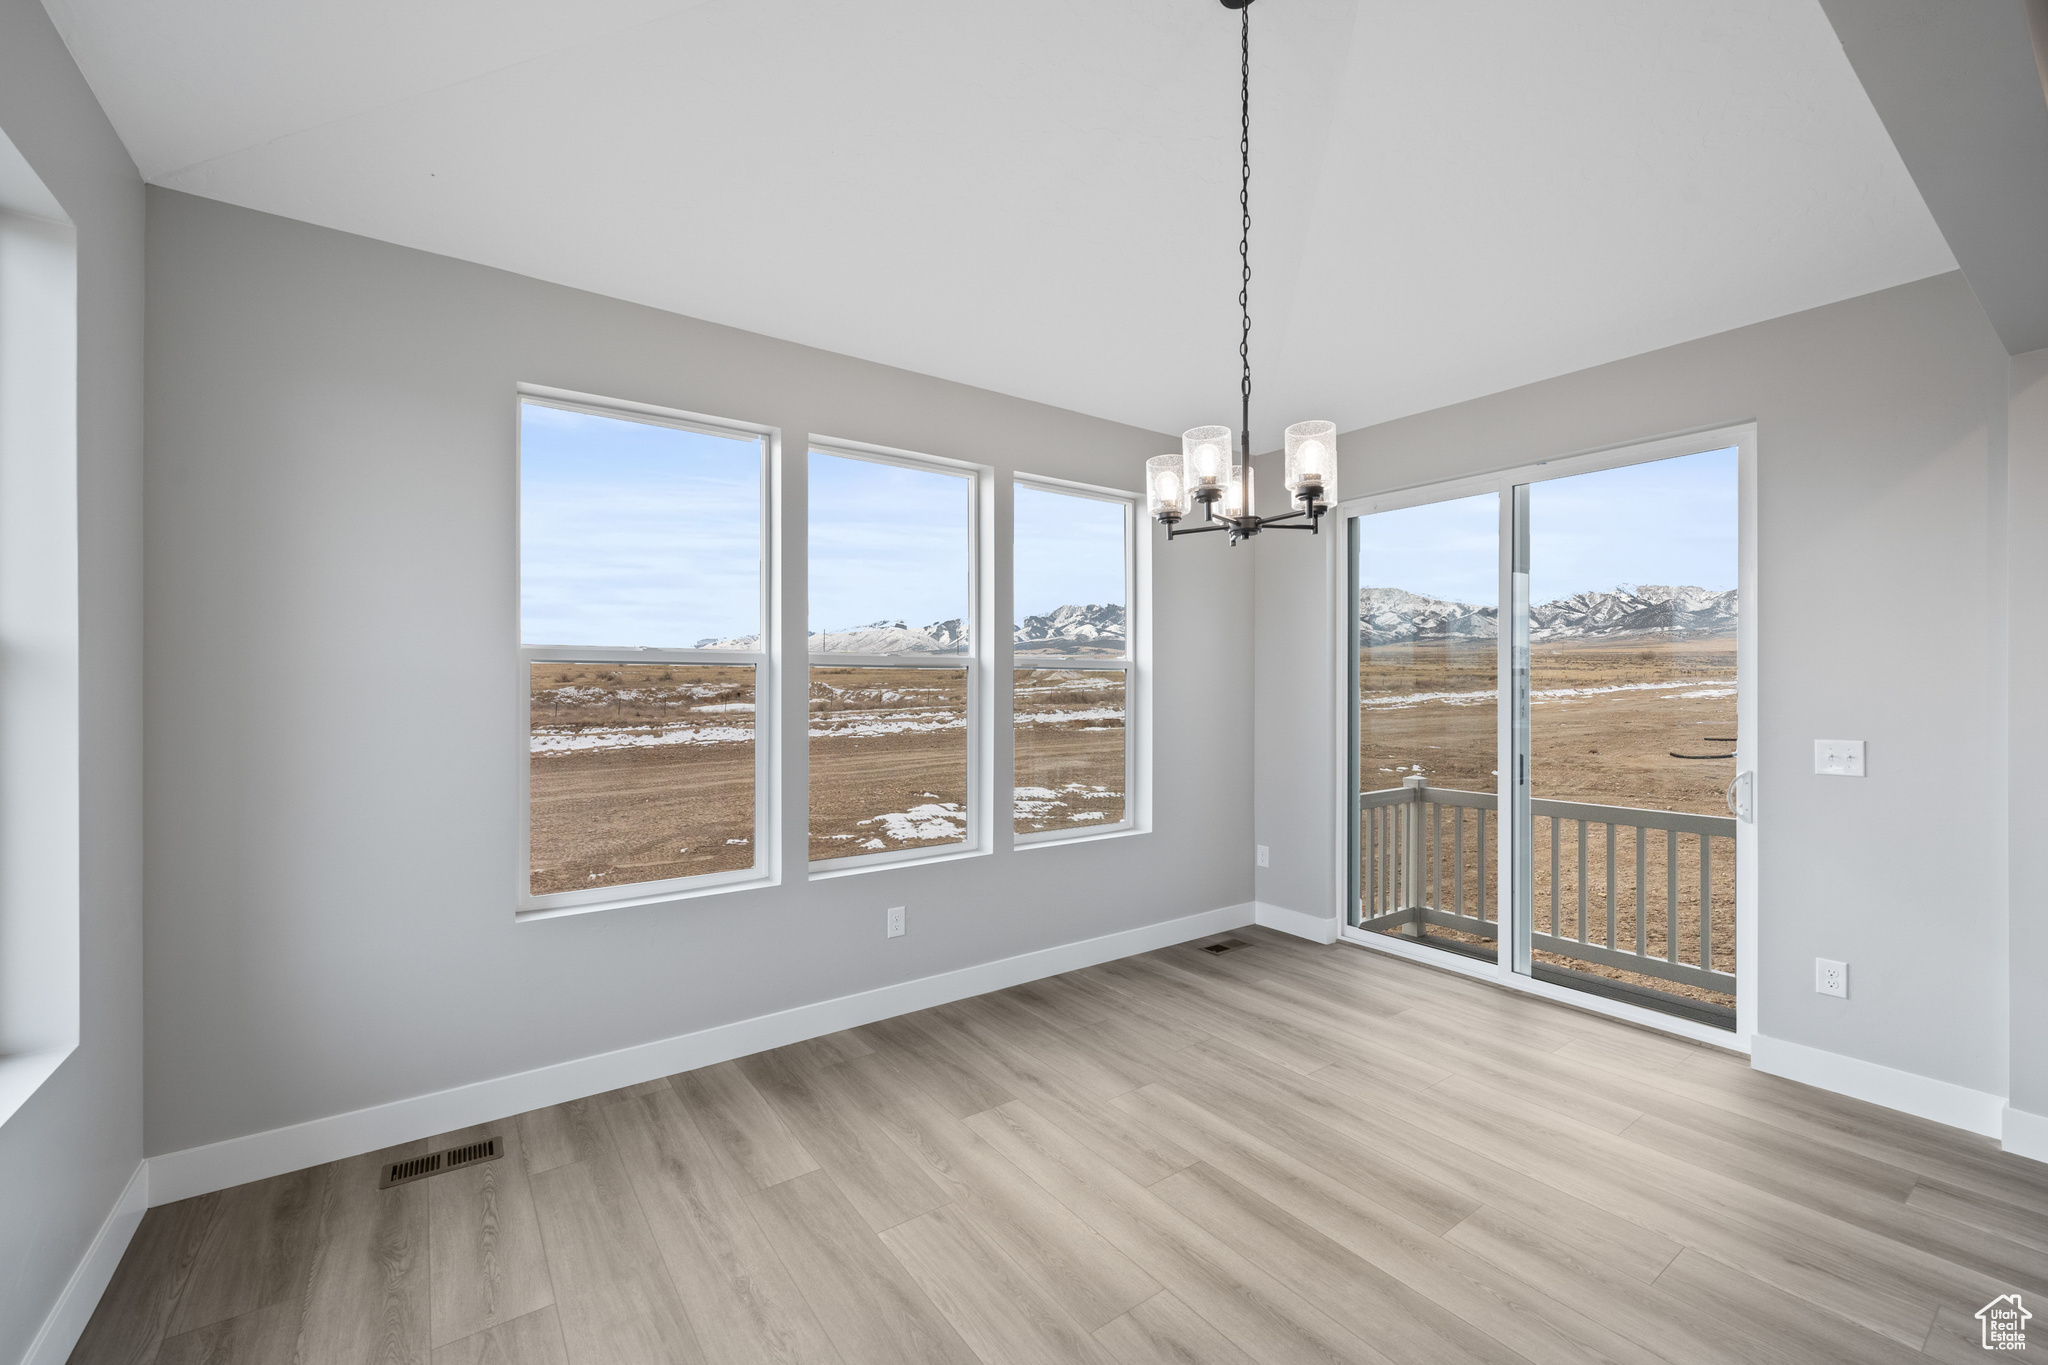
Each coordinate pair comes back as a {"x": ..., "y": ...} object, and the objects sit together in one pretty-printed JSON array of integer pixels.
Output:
[{"x": 1655, "y": 918}]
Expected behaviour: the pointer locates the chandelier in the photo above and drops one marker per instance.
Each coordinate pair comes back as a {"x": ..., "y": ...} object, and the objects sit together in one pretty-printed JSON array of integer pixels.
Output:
[{"x": 1206, "y": 470}]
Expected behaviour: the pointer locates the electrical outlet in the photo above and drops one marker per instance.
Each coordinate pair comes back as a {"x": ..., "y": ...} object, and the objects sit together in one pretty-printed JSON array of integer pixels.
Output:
[
  {"x": 1265, "y": 856},
  {"x": 895, "y": 921},
  {"x": 1831, "y": 978},
  {"x": 1838, "y": 757}
]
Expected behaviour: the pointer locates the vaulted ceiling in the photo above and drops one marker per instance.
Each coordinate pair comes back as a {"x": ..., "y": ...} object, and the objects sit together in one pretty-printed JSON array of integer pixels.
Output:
[{"x": 1040, "y": 198}]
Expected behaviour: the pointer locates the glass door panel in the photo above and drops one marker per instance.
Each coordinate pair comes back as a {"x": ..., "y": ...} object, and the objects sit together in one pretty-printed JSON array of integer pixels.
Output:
[
  {"x": 1628, "y": 724},
  {"x": 1425, "y": 635}
]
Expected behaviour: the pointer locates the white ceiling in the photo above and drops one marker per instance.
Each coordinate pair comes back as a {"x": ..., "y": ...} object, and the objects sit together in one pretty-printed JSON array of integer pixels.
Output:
[{"x": 1039, "y": 196}]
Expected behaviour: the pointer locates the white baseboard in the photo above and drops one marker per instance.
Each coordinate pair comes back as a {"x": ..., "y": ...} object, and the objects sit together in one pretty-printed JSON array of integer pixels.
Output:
[
  {"x": 1314, "y": 928},
  {"x": 2025, "y": 1134},
  {"x": 67, "y": 1317},
  {"x": 219, "y": 1165},
  {"x": 1922, "y": 1096}
]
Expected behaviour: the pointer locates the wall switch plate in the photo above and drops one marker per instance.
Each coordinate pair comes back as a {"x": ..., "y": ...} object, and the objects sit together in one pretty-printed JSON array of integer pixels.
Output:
[
  {"x": 1265, "y": 856},
  {"x": 1838, "y": 757},
  {"x": 895, "y": 921},
  {"x": 1831, "y": 978}
]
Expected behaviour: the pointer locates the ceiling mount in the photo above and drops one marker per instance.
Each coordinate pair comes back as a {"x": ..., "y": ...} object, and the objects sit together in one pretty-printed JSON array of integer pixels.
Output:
[{"x": 1237, "y": 4}]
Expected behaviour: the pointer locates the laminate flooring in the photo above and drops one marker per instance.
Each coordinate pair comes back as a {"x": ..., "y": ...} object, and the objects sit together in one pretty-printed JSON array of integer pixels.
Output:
[{"x": 1282, "y": 1153}]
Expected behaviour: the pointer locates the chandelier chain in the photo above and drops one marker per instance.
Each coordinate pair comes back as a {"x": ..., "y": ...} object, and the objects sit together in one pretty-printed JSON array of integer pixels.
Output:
[{"x": 1244, "y": 241}]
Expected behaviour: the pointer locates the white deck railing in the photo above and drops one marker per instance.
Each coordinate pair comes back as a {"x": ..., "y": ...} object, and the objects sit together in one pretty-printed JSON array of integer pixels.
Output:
[{"x": 1409, "y": 860}]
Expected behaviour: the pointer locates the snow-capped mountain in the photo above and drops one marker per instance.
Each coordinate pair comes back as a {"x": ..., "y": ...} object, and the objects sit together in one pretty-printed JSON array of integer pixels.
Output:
[
  {"x": 1389, "y": 616},
  {"x": 1648, "y": 608},
  {"x": 894, "y": 637},
  {"x": 876, "y": 637},
  {"x": 1071, "y": 629}
]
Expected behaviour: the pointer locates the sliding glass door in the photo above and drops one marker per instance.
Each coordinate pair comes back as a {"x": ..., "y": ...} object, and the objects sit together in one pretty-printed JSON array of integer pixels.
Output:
[
  {"x": 1610, "y": 692},
  {"x": 1631, "y": 726},
  {"x": 1425, "y": 632}
]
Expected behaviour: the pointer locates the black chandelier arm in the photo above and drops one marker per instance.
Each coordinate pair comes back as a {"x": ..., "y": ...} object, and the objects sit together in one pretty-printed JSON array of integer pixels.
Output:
[{"x": 1172, "y": 533}]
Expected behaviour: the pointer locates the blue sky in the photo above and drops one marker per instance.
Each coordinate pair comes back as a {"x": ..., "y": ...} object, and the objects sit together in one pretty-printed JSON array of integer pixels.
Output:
[
  {"x": 888, "y": 543},
  {"x": 1069, "y": 549},
  {"x": 1441, "y": 549},
  {"x": 1668, "y": 521},
  {"x": 633, "y": 534}
]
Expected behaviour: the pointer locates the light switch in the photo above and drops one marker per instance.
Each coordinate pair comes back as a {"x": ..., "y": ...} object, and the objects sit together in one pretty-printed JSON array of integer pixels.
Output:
[{"x": 1838, "y": 757}]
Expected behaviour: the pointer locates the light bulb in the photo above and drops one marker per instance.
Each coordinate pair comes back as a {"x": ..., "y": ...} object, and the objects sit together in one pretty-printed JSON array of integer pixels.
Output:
[
  {"x": 1312, "y": 460},
  {"x": 1166, "y": 490},
  {"x": 1208, "y": 460},
  {"x": 1234, "y": 493}
]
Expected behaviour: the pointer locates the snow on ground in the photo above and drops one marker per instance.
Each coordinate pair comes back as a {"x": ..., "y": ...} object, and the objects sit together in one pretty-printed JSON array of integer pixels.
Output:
[
  {"x": 1115, "y": 713},
  {"x": 1407, "y": 699},
  {"x": 553, "y": 743},
  {"x": 935, "y": 820},
  {"x": 839, "y": 725},
  {"x": 873, "y": 725},
  {"x": 1043, "y": 803}
]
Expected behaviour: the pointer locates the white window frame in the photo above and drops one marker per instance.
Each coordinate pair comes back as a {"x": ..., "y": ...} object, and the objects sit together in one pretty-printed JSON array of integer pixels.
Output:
[
  {"x": 975, "y": 660},
  {"x": 1127, "y": 664},
  {"x": 39, "y": 621},
  {"x": 767, "y": 690}
]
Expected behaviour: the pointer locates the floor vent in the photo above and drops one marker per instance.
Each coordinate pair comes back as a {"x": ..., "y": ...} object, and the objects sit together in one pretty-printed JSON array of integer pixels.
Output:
[
  {"x": 1225, "y": 946},
  {"x": 454, "y": 1158}
]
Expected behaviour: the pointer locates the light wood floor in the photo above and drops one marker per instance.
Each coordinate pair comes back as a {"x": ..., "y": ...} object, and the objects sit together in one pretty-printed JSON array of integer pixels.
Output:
[{"x": 1284, "y": 1153}]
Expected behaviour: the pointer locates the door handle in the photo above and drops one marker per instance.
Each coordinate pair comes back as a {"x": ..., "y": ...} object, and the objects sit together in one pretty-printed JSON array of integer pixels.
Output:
[{"x": 1738, "y": 797}]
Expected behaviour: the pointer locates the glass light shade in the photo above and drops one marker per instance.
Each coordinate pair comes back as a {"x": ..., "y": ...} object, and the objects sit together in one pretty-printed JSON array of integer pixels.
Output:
[
  {"x": 1208, "y": 456},
  {"x": 1166, "y": 485},
  {"x": 1312, "y": 460},
  {"x": 1236, "y": 493}
]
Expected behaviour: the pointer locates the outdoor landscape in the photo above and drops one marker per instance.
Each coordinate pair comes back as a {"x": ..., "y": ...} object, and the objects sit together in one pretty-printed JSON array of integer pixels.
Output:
[
  {"x": 639, "y": 772},
  {"x": 1619, "y": 682},
  {"x": 645, "y": 772}
]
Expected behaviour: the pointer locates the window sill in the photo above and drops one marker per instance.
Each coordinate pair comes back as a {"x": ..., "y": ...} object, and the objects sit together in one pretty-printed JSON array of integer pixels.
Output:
[
  {"x": 825, "y": 871},
  {"x": 674, "y": 893},
  {"x": 23, "y": 1074},
  {"x": 1064, "y": 839}
]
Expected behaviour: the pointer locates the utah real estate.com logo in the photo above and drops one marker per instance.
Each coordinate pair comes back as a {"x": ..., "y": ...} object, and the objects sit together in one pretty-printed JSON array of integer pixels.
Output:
[{"x": 2005, "y": 1323}]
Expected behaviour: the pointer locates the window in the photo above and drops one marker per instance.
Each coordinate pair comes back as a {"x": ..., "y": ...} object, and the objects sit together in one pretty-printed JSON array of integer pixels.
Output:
[
  {"x": 892, "y": 656},
  {"x": 641, "y": 552},
  {"x": 1070, "y": 703},
  {"x": 39, "y": 623}
]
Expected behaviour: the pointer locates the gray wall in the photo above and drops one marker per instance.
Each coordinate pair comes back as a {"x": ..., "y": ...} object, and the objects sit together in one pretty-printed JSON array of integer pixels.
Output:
[
  {"x": 2027, "y": 535},
  {"x": 65, "y": 1156},
  {"x": 1881, "y": 616},
  {"x": 331, "y": 780},
  {"x": 1297, "y": 651}
]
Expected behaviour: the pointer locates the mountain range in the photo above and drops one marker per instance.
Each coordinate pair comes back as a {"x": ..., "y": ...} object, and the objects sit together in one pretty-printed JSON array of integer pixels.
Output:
[
  {"x": 1071, "y": 629},
  {"x": 1396, "y": 616}
]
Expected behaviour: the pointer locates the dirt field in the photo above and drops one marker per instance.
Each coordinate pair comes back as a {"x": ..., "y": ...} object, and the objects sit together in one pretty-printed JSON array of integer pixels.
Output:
[
  {"x": 644, "y": 772},
  {"x": 888, "y": 759},
  {"x": 1605, "y": 720},
  {"x": 1070, "y": 749},
  {"x": 640, "y": 772}
]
